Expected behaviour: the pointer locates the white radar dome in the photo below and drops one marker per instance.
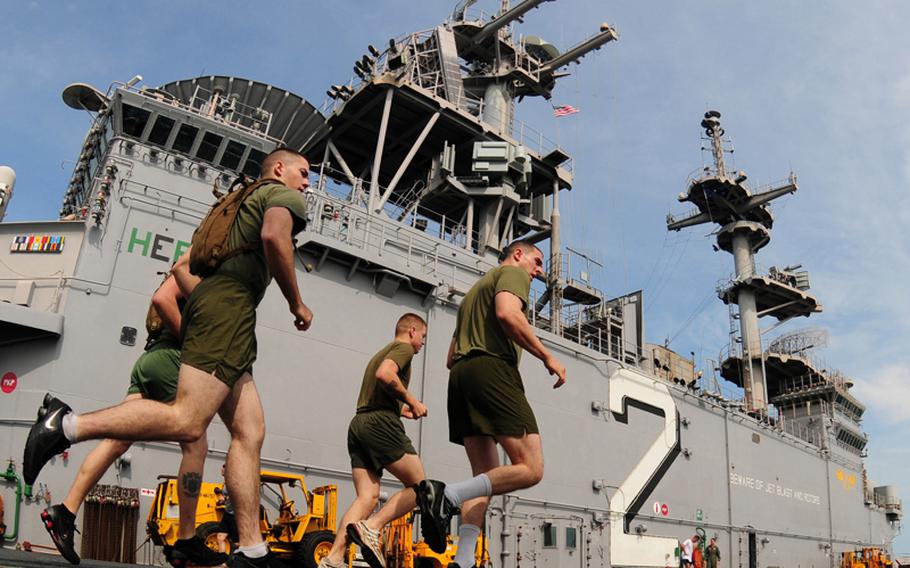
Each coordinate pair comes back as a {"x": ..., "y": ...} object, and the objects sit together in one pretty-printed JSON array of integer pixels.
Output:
[{"x": 7, "y": 181}]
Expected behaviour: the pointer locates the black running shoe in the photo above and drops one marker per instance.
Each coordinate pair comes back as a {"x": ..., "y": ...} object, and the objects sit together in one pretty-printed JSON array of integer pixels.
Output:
[
  {"x": 435, "y": 513},
  {"x": 45, "y": 439},
  {"x": 194, "y": 550},
  {"x": 61, "y": 524}
]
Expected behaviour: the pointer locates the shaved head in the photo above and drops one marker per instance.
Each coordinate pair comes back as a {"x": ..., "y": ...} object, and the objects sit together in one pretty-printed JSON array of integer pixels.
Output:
[
  {"x": 525, "y": 247},
  {"x": 289, "y": 167},
  {"x": 285, "y": 155},
  {"x": 407, "y": 321}
]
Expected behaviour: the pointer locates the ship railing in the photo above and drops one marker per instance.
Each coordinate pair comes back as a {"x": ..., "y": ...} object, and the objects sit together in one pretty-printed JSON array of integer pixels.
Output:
[
  {"x": 400, "y": 244},
  {"x": 733, "y": 278},
  {"x": 803, "y": 432},
  {"x": 733, "y": 397},
  {"x": 689, "y": 214},
  {"x": 812, "y": 360},
  {"x": 478, "y": 15},
  {"x": 805, "y": 381},
  {"x": 429, "y": 78},
  {"x": 774, "y": 185},
  {"x": 527, "y": 62},
  {"x": 217, "y": 107},
  {"x": 577, "y": 326},
  {"x": 402, "y": 208}
]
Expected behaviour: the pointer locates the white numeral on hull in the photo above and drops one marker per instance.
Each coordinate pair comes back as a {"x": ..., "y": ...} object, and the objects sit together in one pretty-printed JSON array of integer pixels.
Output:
[{"x": 637, "y": 549}]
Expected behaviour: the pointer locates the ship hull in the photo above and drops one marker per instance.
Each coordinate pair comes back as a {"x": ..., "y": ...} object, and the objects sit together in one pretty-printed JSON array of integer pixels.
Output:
[{"x": 633, "y": 463}]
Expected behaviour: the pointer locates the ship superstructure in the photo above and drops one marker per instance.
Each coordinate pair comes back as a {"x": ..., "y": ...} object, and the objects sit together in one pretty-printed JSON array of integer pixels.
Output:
[{"x": 423, "y": 174}]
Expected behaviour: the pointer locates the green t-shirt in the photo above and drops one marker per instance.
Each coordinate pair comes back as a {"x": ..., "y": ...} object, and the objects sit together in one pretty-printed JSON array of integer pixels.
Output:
[
  {"x": 250, "y": 268},
  {"x": 476, "y": 327},
  {"x": 373, "y": 396}
]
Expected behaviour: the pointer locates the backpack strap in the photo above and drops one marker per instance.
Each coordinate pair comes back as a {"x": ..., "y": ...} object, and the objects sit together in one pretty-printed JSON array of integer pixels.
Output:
[{"x": 248, "y": 188}]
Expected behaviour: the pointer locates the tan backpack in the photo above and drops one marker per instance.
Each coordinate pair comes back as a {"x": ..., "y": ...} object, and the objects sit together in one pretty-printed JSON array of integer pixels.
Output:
[{"x": 210, "y": 240}]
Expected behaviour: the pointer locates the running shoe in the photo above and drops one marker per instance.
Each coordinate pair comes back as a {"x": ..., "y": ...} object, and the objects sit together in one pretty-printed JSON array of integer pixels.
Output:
[
  {"x": 45, "y": 439},
  {"x": 368, "y": 541},
  {"x": 194, "y": 550},
  {"x": 435, "y": 513},
  {"x": 61, "y": 524}
]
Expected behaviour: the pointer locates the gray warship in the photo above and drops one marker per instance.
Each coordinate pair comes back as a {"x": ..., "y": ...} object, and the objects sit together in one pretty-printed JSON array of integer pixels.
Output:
[{"x": 422, "y": 173}]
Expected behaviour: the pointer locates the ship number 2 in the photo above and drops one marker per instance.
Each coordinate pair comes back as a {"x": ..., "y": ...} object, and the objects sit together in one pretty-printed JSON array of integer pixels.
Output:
[{"x": 628, "y": 547}]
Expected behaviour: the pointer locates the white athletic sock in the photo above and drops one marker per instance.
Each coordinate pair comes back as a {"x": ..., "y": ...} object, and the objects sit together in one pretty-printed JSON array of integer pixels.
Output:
[
  {"x": 255, "y": 551},
  {"x": 479, "y": 486},
  {"x": 467, "y": 543},
  {"x": 69, "y": 426}
]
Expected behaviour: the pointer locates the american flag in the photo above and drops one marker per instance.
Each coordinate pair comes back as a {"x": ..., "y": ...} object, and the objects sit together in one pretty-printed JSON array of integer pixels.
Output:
[{"x": 564, "y": 110}]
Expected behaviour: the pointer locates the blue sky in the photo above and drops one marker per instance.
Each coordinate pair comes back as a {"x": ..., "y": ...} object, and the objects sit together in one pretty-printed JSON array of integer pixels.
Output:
[{"x": 822, "y": 88}]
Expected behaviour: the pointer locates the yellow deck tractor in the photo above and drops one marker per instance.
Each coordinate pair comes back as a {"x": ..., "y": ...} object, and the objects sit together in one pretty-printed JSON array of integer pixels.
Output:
[
  {"x": 868, "y": 557},
  {"x": 298, "y": 525}
]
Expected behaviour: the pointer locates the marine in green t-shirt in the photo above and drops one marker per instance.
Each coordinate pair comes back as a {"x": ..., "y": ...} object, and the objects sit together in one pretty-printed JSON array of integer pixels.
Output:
[
  {"x": 250, "y": 268},
  {"x": 373, "y": 395},
  {"x": 377, "y": 441},
  {"x": 476, "y": 328},
  {"x": 486, "y": 399},
  {"x": 219, "y": 334},
  {"x": 219, "y": 347}
]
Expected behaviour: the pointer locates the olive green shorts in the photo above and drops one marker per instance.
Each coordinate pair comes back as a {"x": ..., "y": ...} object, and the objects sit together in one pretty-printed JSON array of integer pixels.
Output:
[
  {"x": 219, "y": 329},
  {"x": 154, "y": 375},
  {"x": 376, "y": 438},
  {"x": 487, "y": 398}
]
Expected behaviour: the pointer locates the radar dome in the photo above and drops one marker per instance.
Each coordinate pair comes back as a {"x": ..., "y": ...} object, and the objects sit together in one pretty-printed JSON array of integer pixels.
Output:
[{"x": 7, "y": 181}]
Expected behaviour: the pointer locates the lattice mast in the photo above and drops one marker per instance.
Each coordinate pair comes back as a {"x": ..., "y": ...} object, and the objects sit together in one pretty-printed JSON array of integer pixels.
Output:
[{"x": 745, "y": 225}]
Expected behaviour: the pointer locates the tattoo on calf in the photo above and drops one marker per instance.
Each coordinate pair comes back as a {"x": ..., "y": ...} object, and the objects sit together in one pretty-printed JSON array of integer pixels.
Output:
[{"x": 191, "y": 483}]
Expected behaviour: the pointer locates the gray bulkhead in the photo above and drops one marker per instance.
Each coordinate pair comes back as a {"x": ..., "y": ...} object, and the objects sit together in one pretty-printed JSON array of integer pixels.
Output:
[{"x": 728, "y": 473}]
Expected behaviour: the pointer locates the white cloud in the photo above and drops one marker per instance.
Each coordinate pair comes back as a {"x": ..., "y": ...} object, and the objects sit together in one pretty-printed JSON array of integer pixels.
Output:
[{"x": 887, "y": 393}]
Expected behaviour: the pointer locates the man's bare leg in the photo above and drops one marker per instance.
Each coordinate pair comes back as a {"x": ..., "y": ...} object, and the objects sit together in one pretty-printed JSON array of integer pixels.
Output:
[
  {"x": 189, "y": 480},
  {"x": 243, "y": 416},
  {"x": 366, "y": 487},
  {"x": 409, "y": 471},
  {"x": 98, "y": 461},
  {"x": 199, "y": 394},
  {"x": 525, "y": 470},
  {"x": 483, "y": 457},
  {"x": 526, "y": 467}
]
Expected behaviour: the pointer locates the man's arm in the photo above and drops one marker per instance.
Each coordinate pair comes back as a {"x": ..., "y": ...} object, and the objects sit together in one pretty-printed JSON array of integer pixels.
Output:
[
  {"x": 512, "y": 319},
  {"x": 387, "y": 375},
  {"x": 450, "y": 358},
  {"x": 186, "y": 281},
  {"x": 165, "y": 301},
  {"x": 278, "y": 244}
]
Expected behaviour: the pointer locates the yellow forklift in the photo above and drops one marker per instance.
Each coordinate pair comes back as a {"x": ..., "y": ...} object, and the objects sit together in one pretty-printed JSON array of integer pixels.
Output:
[
  {"x": 867, "y": 557},
  {"x": 298, "y": 525}
]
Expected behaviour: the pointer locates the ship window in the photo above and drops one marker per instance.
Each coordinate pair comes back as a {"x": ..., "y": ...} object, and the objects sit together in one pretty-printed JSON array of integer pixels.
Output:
[
  {"x": 232, "y": 154},
  {"x": 106, "y": 137},
  {"x": 134, "y": 120},
  {"x": 92, "y": 164},
  {"x": 185, "y": 138},
  {"x": 549, "y": 535},
  {"x": 209, "y": 147},
  {"x": 570, "y": 538},
  {"x": 161, "y": 130},
  {"x": 253, "y": 165}
]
